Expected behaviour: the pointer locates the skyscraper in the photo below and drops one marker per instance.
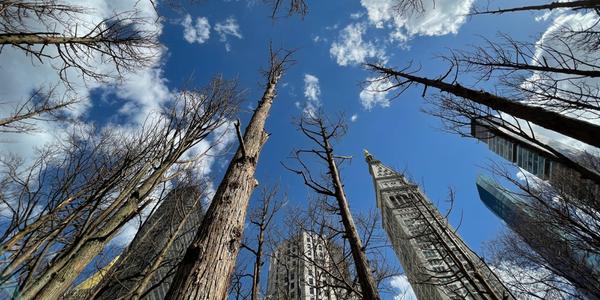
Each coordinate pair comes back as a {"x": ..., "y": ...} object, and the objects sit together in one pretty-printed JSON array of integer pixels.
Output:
[
  {"x": 171, "y": 227},
  {"x": 307, "y": 267},
  {"x": 525, "y": 154},
  {"x": 562, "y": 252},
  {"x": 438, "y": 264},
  {"x": 539, "y": 161}
]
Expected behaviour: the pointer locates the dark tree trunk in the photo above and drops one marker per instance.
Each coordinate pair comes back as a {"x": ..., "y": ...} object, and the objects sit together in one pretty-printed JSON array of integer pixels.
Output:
[
  {"x": 363, "y": 271},
  {"x": 577, "y": 129},
  {"x": 258, "y": 264}
]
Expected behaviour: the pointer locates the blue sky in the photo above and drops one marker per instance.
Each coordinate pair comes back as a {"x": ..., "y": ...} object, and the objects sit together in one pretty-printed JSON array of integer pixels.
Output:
[{"x": 330, "y": 43}]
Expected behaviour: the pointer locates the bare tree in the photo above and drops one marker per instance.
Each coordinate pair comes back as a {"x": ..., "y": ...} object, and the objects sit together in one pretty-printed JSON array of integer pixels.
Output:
[
  {"x": 573, "y": 5},
  {"x": 40, "y": 106},
  {"x": 569, "y": 126},
  {"x": 56, "y": 33},
  {"x": 152, "y": 256},
  {"x": 121, "y": 40},
  {"x": 319, "y": 131},
  {"x": 216, "y": 245},
  {"x": 329, "y": 257},
  {"x": 98, "y": 188},
  {"x": 561, "y": 229},
  {"x": 237, "y": 287},
  {"x": 261, "y": 217},
  {"x": 518, "y": 266},
  {"x": 298, "y": 7}
]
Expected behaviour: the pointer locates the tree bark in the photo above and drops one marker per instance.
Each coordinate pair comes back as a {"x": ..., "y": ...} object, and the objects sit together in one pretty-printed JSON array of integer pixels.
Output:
[
  {"x": 59, "y": 277},
  {"x": 209, "y": 261},
  {"x": 582, "y": 4},
  {"x": 575, "y": 128},
  {"x": 365, "y": 277},
  {"x": 258, "y": 264},
  {"x": 52, "y": 39}
]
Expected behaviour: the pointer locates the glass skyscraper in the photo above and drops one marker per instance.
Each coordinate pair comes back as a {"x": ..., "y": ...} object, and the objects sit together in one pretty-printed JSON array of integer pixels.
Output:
[
  {"x": 525, "y": 154},
  {"x": 563, "y": 252}
]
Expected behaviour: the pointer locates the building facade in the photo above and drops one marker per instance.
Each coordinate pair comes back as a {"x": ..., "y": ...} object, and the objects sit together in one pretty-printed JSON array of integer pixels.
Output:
[
  {"x": 300, "y": 269},
  {"x": 437, "y": 263},
  {"x": 172, "y": 227},
  {"x": 539, "y": 161},
  {"x": 561, "y": 251},
  {"x": 523, "y": 153}
]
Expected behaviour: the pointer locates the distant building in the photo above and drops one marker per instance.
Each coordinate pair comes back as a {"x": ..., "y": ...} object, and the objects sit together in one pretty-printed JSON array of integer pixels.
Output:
[
  {"x": 523, "y": 153},
  {"x": 549, "y": 242},
  {"x": 179, "y": 216},
  {"x": 299, "y": 267},
  {"x": 438, "y": 264}
]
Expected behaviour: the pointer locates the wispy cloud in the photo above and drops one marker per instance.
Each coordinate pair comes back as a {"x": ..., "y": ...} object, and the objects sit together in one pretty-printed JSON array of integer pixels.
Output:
[
  {"x": 312, "y": 92},
  {"x": 198, "y": 32},
  {"x": 351, "y": 49},
  {"x": 375, "y": 93},
  {"x": 229, "y": 27},
  {"x": 405, "y": 291},
  {"x": 439, "y": 17}
]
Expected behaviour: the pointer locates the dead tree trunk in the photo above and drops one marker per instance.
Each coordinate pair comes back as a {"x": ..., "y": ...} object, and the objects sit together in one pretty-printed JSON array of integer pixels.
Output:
[
  {"x": 261, "y": 218},
  {"x": 209, "y": 261},
  {"x": 367, "y": 283},
  {"x": 185, "y": 126},
  {"x": 575, "y": 5},
  {"x": 315, "y": 129},
  {"x": 257, "y": 264},
  {"x": 575, "y": 128}
]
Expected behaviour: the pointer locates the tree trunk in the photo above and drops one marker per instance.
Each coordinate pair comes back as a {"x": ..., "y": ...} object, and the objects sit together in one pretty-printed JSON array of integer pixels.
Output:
[
  {"x": 61, "y": 274},
  {"x": 257, "y": 265},
  {"x": 582, "y": 4},
  {"x": 363, "y": 271},
  {"x": 575, "y": 128},
  {"x": 49, "y": 39},
  {"x": 152, "y": 248},
  {"x": 209, "y": 261}
]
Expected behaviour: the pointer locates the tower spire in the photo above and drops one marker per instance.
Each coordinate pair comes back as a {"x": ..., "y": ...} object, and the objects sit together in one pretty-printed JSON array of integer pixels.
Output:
[
  {"x": 438, "y": 264},
  {"x": 369, "y": 157}
]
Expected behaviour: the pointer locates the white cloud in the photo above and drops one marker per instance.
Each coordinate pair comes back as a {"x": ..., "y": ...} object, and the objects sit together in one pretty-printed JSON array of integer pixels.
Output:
[
  {"x": 354, "y": 118},
  {"x": 553, "y": 38},
  {"x": 440, "y": 17},
  {"x": 20, "y": 75},
  {"x": 312, "y": 92},
  {"x": 195, "y": 33},
  {"x": 356, "y": 16},
  {"x": 529, "y": 284},
  {"x": 375, "y": 93},
  {"x": 229, "y": 27},
  {"x": 350, "y": 49},
  {"x": 405, "y": 290}
]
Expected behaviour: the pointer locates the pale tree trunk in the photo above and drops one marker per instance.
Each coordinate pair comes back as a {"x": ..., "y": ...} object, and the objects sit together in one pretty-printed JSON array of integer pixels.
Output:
[
  {"x": 32, "y": 39},
  {"x": 209, "y": 261},
  {"x": 363, "y": 271}
]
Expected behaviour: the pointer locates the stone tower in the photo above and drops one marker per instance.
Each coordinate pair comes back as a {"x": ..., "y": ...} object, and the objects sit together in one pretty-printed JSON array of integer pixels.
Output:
[{"x": 438, "y": 264}]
